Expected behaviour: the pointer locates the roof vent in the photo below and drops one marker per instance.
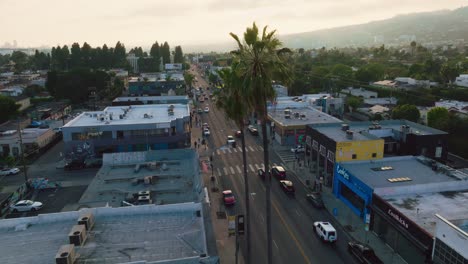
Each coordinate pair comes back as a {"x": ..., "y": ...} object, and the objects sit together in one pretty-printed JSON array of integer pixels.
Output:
[
  {"x": 77, "y": 235},
  {"x": 349, "y": 134},
  {"x": 65, "y": 255},
  {"x": 86, "y": 219},
  {"x": 345, "y": 127}
]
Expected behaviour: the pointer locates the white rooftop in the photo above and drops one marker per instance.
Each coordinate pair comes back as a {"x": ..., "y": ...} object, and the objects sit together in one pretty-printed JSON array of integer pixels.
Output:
[
  {"x": 143, "y": 234},
  {"x": 134, "y": 114}
]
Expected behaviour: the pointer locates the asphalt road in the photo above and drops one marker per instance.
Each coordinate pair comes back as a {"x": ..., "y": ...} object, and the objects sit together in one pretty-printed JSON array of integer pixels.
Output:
[{"x": 294, "y": 240}]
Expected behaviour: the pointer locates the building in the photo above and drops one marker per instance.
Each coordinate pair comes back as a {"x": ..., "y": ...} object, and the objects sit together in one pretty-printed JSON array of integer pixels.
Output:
[
  {"x": 451, "y": 241},
  {"x": 178, "y": 99},
  {"x": 462, "y": 80},
  {"x": 459, "y": 108},
  {"x": 288, "y": 125},
  {"x": 24, "y": 102},
  {"x": 166, "y": 177},
  {"x": 359, "y": 92},
  {"x": 12, "y": 91},
  {"x": 398, "y": 197},
  {"x": 129, "y": 128},
  {"x": 173, "y": 66},
  {"x": 34, "y": 139},
  {"x": 136, "y": 234},
  {"x": 155, "y": 84},
  {"x": 384, "y": 101}
]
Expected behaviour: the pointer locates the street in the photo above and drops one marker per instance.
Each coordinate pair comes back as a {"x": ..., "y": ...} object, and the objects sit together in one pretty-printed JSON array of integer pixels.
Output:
[{"x": 294, "y": 240}]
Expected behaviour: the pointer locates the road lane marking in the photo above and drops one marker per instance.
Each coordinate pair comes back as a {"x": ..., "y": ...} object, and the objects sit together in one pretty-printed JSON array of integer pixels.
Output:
[
  {"x": 274, "y": 242},
  {"x": 232, "y": 170},
  {"x": 224, "y": 151},
  {"x": 219, "y": 171},
  {"x": 263, "y": 219},
  {"x": 218, "y": 152},
  {"x": 251, "y": 148},
  {"x": 235, "y": 150},
  {"x": 246, "y": 150},
  {"x": 238, "y": 169},
  {"x": 261, "y": 148},
  {"x": 225, "y": 171},
  {"x": 298, "y": 245},
  {"x": 242, "y": 179},
  {"x": 297, "y": 212},
  {"x": 251, "y": 167},
  {"x": 229, "y": 150}
]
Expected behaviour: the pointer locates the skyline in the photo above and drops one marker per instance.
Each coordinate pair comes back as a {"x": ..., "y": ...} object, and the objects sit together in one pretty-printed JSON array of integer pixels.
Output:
[{"x": 184, "y": 22}]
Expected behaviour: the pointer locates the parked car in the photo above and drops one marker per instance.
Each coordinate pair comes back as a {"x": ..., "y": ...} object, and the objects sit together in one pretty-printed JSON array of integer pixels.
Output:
[
  {"x": 231, "y": 141},
  {"x": 325, "y": 231},
  {"x": 315, "y": 198},
  {"x": 363, "y": 252},
  {"x": 279, "y": 172},
  {"x": 206, "y": 132},
  {"x": 25, "y": 205},
  {"x": 200, "y": 111},
  {"x": 287, "y": 186},
  {"x": 252, "y": 130},
  {"x": 228, "y": 198},
  {"x": 261, "y": 173},
  {"x": 207, "y": 109},
  {"x": 238, "y": 134},
  {"x": 75, "y": 165},
  {"x": 205, "y": 125},
  {"x": 9, "y": 171},
  {"x": 298, "y": 149}
]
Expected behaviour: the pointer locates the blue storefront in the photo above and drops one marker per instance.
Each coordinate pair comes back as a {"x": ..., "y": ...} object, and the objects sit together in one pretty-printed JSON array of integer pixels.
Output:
[{"x": 353, "y": 192}]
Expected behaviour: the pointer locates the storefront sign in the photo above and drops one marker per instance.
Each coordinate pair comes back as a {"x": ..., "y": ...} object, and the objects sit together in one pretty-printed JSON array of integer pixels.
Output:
[
  {"x": 331, "y": 156},
  {"x": 300, "y": 131},
  {"x": 341, "y": 171},
  {"x": 308, "y": 140},
  {"x": 315, "y": 145},
  {"x": 398, "y": 218},
  {"x": 323, "y": 150},
  {"x": 289, "y": 132}
]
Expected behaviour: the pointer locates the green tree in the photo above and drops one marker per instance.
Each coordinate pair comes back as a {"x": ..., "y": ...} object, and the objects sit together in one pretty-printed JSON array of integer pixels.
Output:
[
  {"x": 155, "y": 53},
  {"x": 260, "y": 61},
  {"x": 438, "y": 117},
  {"x": 165, "y": 53},
  {"x": 178, "y": 55},
  {"x": 75, "y": 57},
  {"x": 8, "y": 108},
  {"x": 353, "y": 102},
  {"x": 188, "y": 77},
  {"x": 406, "y": 111},
  {"x": 86, "y": 54},
  {"x": 119, "y": 56},
  {"x": 20, "y": 59},
  {"x": 448, "y": 73}
]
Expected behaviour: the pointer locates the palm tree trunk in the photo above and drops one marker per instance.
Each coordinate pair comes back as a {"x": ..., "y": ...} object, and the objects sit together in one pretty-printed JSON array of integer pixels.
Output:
[
  {"x": 247, "y": 197},
  {"x": 268, "y": 184}
]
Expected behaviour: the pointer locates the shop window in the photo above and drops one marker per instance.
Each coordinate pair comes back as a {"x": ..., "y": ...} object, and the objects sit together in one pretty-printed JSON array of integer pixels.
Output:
[
  {"x": 120, "y": 134},
  {"x": 352, "y": 197},
  {"x": 354, "y": 156},
  {"x": 374, "y": 155}
]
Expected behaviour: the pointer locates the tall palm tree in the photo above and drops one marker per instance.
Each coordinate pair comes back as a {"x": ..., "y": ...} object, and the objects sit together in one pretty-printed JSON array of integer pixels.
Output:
[
  {"x": 261, "y": 62},
  {"x": 231, "y": 100}
]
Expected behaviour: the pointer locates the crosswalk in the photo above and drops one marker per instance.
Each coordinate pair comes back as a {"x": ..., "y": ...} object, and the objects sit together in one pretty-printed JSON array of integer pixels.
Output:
[
  {"x": 286, "y": 156},
  {"x": 230, "y": 150},
  {"x": 238, "y": 169}
]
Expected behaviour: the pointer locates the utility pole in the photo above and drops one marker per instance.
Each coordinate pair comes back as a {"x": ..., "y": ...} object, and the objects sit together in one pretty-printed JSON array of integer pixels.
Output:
[{"x": 22, "y": 152}]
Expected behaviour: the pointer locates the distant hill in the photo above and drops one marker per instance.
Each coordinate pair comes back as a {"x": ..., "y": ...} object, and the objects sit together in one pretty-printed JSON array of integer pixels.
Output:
[{"x": 430, "y": 27}]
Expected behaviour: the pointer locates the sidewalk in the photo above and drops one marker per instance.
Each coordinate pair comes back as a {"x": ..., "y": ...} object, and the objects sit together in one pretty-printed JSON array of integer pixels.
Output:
[
  {"x": 225, "y": 244},
  {"x": 350, "y": 222}
]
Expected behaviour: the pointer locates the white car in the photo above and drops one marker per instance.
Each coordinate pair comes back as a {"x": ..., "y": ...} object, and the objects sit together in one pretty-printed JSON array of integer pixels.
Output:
[
  {"x": 207, "y": 109},
  {"x": 231, "y": 140},
  {"x": 206, "y": 132},
  {"x": 325, "y": 231},
  {"x": 26, "y": 205},
  {"x": 298, "y": 149},
  {"x": 9, "y": 171}
]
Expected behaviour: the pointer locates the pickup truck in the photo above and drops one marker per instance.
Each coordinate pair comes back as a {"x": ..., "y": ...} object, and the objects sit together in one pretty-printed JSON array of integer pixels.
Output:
[{"x": 364, "y": 253}]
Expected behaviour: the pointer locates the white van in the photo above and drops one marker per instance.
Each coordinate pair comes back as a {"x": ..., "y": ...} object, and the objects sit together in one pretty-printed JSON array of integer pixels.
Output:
[{"x": 325, "y": 231}]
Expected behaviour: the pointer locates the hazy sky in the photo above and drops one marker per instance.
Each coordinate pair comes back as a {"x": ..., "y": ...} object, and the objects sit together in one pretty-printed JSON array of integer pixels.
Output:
[{"x": 34, "y": 23}]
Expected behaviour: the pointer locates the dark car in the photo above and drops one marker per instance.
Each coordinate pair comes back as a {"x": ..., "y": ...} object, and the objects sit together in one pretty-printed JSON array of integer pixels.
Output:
[
  {"x": 363, "y": 252},
  {"x": 315, "y": 199},
  {"x": 261, "y": 173},
  {"x": 288, "y": 187},
  {"x": 75, "y": 165},
  {"x": 238, "y": 134},
  {"x": 279, "y": 172}
]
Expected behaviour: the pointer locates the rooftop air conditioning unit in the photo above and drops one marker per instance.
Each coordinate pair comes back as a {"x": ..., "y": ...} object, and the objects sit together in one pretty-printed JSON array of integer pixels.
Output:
[
  {"x": 77, "y": 235},
  {"x": 345, "y": 127},
  {"x": 65, "y": 255},
  {"x": 349, "y": 134},
  {"x": 287, "y": 116},
  {"x": 145, "y": 199},
  {"x": 86, "y": 219},
  {"x": 144, "y": 193}
]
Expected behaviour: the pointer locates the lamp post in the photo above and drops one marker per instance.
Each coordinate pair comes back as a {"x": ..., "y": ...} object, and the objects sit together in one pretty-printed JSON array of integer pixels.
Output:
[{"x": 22, "y": 152}]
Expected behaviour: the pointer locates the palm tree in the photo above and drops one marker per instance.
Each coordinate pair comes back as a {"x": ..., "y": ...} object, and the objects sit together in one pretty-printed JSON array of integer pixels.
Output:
[
  {"x": 261, "y": 61},
  {"x": 230, "y": 100}
]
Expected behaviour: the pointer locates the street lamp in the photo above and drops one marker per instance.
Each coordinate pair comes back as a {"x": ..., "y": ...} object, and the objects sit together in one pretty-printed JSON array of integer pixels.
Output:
[{"x": 22, "y": 152}]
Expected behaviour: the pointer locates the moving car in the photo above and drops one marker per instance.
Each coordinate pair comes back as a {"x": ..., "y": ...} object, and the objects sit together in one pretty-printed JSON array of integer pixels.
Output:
[
  {"x": 75, "y": 165},
  {"x": 252, "y": 130},
  {"x": 200, "y": 111},
  {"x": 298, "y": 149},
  {"x": 206, "y": 132},
  {"x": 207, "y": 109},
  {"x": 25, "y": 205},
  {"x": 228, "y": 198},
  {"x": 238, "y": 134},
  {"x": 363, "y": 252},
  {"x": 287, "y": 187},
  {"x": 9, "y": 171},
  {"x": 325, "y": 231},
  {"x": 315, "y": 198},
  {"x": 279, "y": 172},
  {"x": 205, "y": 125},
  {"x": 231, "y": 140}
]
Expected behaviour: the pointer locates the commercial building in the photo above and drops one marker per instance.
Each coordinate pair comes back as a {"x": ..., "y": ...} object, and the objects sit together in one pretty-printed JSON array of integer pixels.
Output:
[
  {"x": 163, "y": 176},
  {"x": 137, "y": 234},
  {"x": 451, "y": 241},
  {"x": 397, "y": 198},
  {"x": 176, "y": 99},
  {"x": 155, "y": 84},
  {"x": 33, "y": 139},
  {"x": 128, "y": 128},
  {"x": 359, "y": 92}
]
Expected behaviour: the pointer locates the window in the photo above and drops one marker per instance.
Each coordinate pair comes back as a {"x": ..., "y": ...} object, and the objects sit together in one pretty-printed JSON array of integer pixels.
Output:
[
  {"x": 354, "y": 156},
  {"x": 374, "y": 155}
]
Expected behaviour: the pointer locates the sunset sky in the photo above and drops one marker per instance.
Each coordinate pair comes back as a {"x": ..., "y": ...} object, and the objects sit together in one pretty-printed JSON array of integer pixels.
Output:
[{"x": 184, "y": 22}]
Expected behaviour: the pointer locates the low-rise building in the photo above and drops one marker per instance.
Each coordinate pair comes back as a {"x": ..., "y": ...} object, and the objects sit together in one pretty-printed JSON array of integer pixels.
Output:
[
  {"x": 155, "y": 84},
  {"x": 177, "y": 99},
  {"x": 359, "y": 92},
  {"x": 129, "y": 128},
  {"x": 457, "y": 107},
  {"x": 34, "y": 139},
  {"x": 462, "y": 80},
  {"x": 450, "y": 241},
  {"x": 397, "y": 198},
  {"x": 384, "y": 101}
]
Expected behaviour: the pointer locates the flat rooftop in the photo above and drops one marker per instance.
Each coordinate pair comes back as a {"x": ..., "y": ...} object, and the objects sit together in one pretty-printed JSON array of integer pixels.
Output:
[
  {"x": 134, "y": 114},
  {"x": 312, "y": 116},
  {"x": 387, "y": 127},
  {"x": 151, "y": 98},
  {"x": 381, "y": 174},
  {"x": 334, "y": 131},
  {"x": 421, "y": 208},
  {"x": 120, "y": 235},
  {"x": 175, "y": 174}
]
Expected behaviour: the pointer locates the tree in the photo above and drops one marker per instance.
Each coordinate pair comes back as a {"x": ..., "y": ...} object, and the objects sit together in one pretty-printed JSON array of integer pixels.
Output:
[
  {"x": 178, "y": 55},
  {"x": 406, "y": 111},
  {"x": 166, "y": 53},
  {"x": 448, "y": 73},
  {"x": 438, "y": 117},
  {"x": 353, "y": 102},
  {"x": 413, "y": 47},
  {"x": 260, "y": 61},
  {"x": 20, "y": 59},
  {"x": 8, "y": 108},
  {"x": 155, "y": 52},
  {"x": 75, "y": 57},
  {"x": 188, "y": 77},
  {"x": 119, "y": 55}
]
